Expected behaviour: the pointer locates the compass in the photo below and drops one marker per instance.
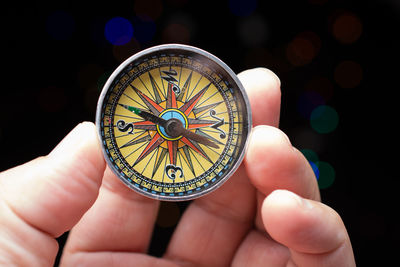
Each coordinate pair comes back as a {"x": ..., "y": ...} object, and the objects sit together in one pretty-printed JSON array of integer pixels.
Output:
[{"x": 174, "y": 122}]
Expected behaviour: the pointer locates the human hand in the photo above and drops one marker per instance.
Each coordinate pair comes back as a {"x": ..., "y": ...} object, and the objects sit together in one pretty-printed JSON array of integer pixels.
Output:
[{"x": 267, "y": 214}]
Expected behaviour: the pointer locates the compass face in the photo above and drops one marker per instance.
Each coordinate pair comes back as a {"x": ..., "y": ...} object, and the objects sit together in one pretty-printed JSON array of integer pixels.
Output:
[{"x": 148, "y": 97}]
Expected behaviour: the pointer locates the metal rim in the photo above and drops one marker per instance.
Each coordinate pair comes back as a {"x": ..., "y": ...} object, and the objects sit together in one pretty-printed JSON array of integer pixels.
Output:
[{"x": 218, "y": 62}]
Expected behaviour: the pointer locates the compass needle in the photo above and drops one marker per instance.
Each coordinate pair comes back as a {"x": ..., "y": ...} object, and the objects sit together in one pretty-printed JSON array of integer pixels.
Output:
[{"x": 187, "y": 127}]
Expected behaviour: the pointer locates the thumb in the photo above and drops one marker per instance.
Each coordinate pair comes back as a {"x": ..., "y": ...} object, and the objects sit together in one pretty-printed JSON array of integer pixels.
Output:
[
  {"x": 52, "y": 193},
  {"x": 314, "y": 233}
]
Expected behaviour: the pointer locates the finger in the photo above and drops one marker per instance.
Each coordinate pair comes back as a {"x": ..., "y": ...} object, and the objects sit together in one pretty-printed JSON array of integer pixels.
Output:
[
  {"x": 314, "y": 233},
  {"x": 120, "y": 220},
  {"x": 120, "y": 259},
  {"x": 263, "y": 89},
  {"x": 217, "y": 223},
  {"x": 53, "y": 192},
  {"x": 47, "y": 196},
  {"x": 259, "y": 250},
  {"x": 272, "y": 163}
]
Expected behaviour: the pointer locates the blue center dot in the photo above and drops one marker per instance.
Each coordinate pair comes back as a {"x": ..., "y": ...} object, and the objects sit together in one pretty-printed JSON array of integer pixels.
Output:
[{"x": 169, "y": 114}]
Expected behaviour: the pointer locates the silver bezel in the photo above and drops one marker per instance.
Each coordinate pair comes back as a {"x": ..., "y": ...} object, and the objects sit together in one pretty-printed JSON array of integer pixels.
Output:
[{"x": 193, "y": 50}]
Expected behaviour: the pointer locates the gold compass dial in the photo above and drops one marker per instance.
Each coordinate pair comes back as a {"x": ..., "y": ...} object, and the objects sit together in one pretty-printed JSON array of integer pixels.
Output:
[{"x": 144, "y": 102}]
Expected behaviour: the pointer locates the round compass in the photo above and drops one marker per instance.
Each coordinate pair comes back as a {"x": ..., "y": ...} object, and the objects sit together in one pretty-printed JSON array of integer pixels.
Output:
[{"x": 173, "y": 122}]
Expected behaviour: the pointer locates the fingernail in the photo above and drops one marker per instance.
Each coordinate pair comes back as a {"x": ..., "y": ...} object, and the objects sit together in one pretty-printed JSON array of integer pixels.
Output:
[
  {"x": 263, "y": 131},
  {"x": 289, "y": 198},
  {"x": 276, "y": 78}
]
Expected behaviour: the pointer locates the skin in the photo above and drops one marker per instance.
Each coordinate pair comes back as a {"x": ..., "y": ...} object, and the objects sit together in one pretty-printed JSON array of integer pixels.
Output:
[{"x": 268, "y": 214}]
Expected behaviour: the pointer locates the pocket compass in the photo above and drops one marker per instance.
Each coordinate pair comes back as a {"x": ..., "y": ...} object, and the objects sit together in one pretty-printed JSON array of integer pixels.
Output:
[{"x": 174, "y": 122}]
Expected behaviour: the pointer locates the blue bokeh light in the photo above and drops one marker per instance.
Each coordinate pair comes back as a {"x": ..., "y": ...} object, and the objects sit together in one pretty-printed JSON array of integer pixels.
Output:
[
  {"x": 118, "y": 31},
  {"x": 308, "y": 101},
  {"x": 60, "y": 25},
  {"x": 315, "y": 169},
  {"x": 242, "y": 7}
]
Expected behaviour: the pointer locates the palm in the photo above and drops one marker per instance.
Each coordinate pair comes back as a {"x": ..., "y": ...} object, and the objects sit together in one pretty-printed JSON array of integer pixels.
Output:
[
  {"x": 235, "y": 225},
  {"x": 222, "y": 228}
]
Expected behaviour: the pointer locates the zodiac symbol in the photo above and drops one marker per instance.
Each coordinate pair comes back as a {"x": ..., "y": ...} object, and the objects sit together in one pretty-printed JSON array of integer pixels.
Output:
[
  {"x": 124, "y": 127},
  {"x": 171, "y": 170},
  {"x": 218, "y": 124},
  {"x": 171, "y": 80}
]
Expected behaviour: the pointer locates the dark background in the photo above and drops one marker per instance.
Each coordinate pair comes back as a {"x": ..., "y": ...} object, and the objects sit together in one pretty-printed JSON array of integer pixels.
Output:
[{"x": 343, "y": 54}]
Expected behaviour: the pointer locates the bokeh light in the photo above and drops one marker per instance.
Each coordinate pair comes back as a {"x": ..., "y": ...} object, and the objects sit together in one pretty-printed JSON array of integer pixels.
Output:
[
  {"x": 303, "y": 48},
  {"x": 310, "y": 155},
  {"x": 322, "y": 85},
  {"x": 60, "y": 25},
  {"x": 313, "y": 159},
  {"x": 348, "y": 74},
  {"x": 148, "y": 8},
  {"x": 176, "y": 33},
  {"x": 168, "y": 214},
  {"x": 242, "y": 7},
  {"x": 122, "y": 52},
  {"x": 315, "y": 169},
  {"x": 145, "y": 29},
  {"x": 308, "y": 101},
  {"x": 326, "y": 174},
  {"x": 347, "y": 28},
  {"x": 253, "y": 30},
  {"x": 324, "y": 119},
  {"x": 118, "y": 31}
]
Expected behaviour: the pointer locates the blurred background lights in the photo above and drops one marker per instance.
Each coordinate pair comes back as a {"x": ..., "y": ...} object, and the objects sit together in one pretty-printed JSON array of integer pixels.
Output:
[
  {"x": 347, "y": 28},
  {"x": 308, "y": 101},
  {"x": 145, "y": 29},
  {"x": 179, "y": 28},
  {"x": 326, "y": 174},
  {"x": 253, "y": 30},
  {"x": 310, "y": 155},
  {"x": 123, "y": 52},
  {"x": 118, "y": 31},
  {"x": 242, "y": 7},
  {"x": 60, "y": 25},
  {"x": 324, "y": 119},
  {"x": 315, "y": 169},
  {"x": 149, "y": 8},
  {"x": 312, "y": 158},
  {"x": 348, "y": 74},
  {"x": 176, "y": 33},
  {"x": 303, "y": 48}
]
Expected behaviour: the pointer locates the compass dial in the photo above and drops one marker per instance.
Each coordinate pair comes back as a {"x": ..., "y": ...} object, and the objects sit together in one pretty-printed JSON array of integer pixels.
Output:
[{"x": 174, "y": 122}]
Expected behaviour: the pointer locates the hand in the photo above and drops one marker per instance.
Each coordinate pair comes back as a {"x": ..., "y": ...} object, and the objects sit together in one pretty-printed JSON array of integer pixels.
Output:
[{"x": 267, "y": 214}]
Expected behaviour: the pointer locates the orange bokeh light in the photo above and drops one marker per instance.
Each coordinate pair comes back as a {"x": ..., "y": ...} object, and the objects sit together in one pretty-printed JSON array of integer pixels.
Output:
[{"x": 347, "y": 28}]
